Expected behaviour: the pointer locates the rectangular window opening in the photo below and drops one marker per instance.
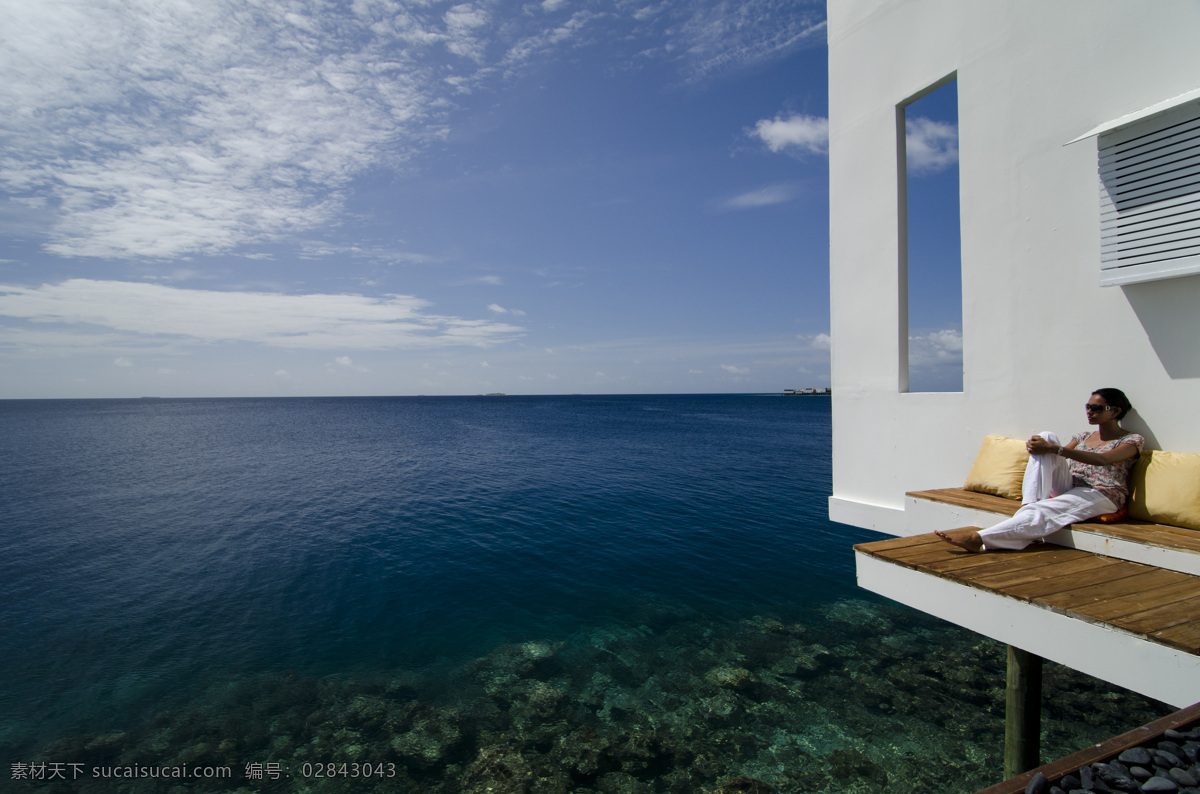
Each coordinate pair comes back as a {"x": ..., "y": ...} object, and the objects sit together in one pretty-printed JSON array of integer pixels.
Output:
[{"x": 930, "y": 267}]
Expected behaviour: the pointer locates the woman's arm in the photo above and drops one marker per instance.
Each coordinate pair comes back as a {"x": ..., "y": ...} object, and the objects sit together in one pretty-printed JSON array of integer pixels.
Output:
[
  {"x": 1040, "y": 446},
  {"x": 1115, "y": 455}
]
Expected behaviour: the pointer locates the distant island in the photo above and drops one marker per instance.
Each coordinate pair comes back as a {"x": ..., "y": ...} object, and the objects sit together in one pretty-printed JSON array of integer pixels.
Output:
[{"x": 806, "y": 392}]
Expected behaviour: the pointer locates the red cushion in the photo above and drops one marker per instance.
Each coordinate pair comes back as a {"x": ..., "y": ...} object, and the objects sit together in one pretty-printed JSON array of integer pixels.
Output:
[{"x": 1112, "y": 518}]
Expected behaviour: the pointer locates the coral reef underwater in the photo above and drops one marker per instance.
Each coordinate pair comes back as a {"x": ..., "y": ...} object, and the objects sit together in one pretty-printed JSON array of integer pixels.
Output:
[{"x": 862, "y": 696}]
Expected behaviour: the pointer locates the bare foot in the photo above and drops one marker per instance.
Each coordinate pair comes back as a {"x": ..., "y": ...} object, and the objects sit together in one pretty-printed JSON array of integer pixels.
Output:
[{"x": 963, "y": 538}]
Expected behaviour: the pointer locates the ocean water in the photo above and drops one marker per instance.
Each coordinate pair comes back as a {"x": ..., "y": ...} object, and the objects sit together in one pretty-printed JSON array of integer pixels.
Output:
[{"x": 507, "y": 594}]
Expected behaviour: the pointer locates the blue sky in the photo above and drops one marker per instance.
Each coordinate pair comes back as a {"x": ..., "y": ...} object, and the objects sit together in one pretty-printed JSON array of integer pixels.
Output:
[
  {"x": 295, "y": 197},
  {"x": 934, "y": 243}
]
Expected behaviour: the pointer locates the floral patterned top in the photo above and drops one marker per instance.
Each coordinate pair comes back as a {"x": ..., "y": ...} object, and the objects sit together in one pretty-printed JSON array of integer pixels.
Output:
[{"x": 1112, "y": 481}]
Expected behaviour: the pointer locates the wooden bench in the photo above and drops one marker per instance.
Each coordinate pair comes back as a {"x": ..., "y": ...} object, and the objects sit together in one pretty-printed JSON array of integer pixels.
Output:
[{"x": 1130, "y": 530}]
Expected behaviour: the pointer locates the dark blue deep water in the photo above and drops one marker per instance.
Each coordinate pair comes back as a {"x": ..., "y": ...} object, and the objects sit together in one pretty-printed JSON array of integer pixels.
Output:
[{"x": 633, "y": 593}]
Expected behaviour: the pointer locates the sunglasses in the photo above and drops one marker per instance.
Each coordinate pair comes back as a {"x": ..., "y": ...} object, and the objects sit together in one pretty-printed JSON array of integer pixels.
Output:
[{"x": 1090, "y": 408}]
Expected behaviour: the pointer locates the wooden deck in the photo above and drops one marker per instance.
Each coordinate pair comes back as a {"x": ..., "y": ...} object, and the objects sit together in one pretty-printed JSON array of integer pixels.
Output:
[
  {"x": 1117, "y": 601},
  {"x": 1161, "y": 606}
]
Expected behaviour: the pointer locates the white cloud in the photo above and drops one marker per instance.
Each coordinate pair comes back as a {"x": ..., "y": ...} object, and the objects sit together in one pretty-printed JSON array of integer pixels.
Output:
[
  {"x": 145, "y": 312},
  {"x": 936, "y": 355},
  {"x": 123, "y": 362},
  {"x": 935, "y": 361},
  {"x": 170, "y": 128},
  {"x": 167, "y": 129},
  {"x": 762, "y": 197},
  {"x": 463, "y": 23},
  {"x": 348, "y": 363},
  {"x": 821, "y": 342},
  {"x": 728, "y": 36},
  {"x": 385, "y": 255},
  {"x": 796, "y": 133},
  {"x": 731, "y": 369},
  {"x": 498, "y": 309},
  {"x": 931, "y": 146},
  {"x": 937, "y": 347},
  {"x": 568, "y": 34},
  {"x": 650, "y": 11}
]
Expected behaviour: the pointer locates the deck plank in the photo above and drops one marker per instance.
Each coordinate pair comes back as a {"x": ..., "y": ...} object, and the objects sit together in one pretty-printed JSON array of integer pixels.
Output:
[
  {"x": 939, "y": 548},
  {"x": 889, "y": 545},
  {"x": 1067, "y": 575},
  {"x": 1122, "y": 611},
  {"x": 1185, "y": 636},
  {"x": 1143, "y": 580},
  {"x": 980, "y": 564},
  {"x": 1055, "y": 588},
  {"x": 967, "y": 568},
  {"x": 1162, "y": 616},
  {"x": 981, "y": 568}
]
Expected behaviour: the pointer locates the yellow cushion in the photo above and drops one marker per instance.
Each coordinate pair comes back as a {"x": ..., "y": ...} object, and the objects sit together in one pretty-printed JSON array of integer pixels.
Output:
[
  {"x": 999, "y": 467},
  {"x": 1165, "y": 489}
]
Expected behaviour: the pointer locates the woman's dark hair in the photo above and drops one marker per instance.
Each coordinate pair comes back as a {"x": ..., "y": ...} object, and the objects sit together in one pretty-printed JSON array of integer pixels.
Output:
[{"x": 1117, "y": 399}]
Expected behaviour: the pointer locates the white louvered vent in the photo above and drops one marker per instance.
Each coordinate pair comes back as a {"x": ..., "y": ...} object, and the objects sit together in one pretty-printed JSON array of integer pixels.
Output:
[{"x": 1150, "y": 198}]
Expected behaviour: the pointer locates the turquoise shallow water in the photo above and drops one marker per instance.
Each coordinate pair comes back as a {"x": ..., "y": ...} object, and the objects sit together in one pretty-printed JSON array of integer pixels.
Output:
[{"x": 634, "y": 593}]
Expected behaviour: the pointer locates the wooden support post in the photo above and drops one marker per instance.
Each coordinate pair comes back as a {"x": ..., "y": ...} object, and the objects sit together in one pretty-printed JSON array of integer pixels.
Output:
[{"x": 1023, "y": 712}]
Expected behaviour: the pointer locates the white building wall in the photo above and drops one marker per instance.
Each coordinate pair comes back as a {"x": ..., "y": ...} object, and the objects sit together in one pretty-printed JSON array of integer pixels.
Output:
[{"x": 1039, "y": 333}]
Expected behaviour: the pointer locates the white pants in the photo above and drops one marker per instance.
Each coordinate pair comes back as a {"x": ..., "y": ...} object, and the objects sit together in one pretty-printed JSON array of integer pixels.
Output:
[{"x": 1049, "y": 503}]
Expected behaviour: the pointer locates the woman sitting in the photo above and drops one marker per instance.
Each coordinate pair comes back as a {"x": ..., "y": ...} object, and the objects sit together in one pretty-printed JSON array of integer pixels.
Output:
[{"x": 1087, "y": 477}]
